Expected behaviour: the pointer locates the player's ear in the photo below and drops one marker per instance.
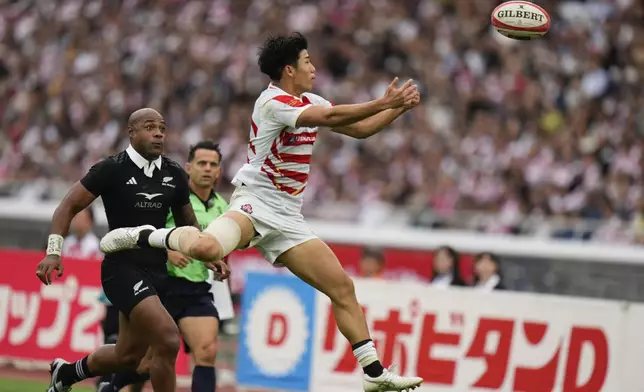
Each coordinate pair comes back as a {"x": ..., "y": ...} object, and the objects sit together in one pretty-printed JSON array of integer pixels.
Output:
[
  {"x": 130, "y": 130},
  {"x": 186, "y": 167},
  {"x": 290, "y": 70}
]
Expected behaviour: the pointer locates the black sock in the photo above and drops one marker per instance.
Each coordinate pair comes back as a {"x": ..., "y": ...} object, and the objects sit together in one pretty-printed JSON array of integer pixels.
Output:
[
  {"x": 124, "y": 379},
  {"x": 143, "y": 239},
  {"x": 360, "y": 344},
  {"x": 204, "y": 379},
  {"x": 374, "y": 369},
  {"x": 71, "y": 373}
]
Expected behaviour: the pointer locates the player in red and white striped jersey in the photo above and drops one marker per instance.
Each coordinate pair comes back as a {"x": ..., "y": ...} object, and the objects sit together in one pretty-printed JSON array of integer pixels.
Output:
[
  {"x": 265, "y": 208},
  {"x": 279, "y": 152}
]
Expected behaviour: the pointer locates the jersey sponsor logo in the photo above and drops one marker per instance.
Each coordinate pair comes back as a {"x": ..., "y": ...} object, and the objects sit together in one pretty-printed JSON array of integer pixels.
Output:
[
  {"x": 247, "y": 208},
  {"x": 148, "y": 204},
  {"x": 299, "y": 139},
  {"x": 150, "y": 196},
  {"x": 138, "y": 289},
  {"x": 131, "y": 181},
  {"x": 166, "y": 182}
]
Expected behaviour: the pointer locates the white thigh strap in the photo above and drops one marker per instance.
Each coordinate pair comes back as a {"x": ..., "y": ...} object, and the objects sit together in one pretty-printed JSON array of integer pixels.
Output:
[{"x": 227, "y": 232}]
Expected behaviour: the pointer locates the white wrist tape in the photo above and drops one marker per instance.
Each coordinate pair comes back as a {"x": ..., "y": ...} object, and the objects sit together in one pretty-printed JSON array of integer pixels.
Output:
[{"x": 55, "y": 244}]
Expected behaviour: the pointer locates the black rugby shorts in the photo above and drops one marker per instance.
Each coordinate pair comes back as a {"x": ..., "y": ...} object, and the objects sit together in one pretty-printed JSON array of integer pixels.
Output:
[{"x": 126, "y": 284}]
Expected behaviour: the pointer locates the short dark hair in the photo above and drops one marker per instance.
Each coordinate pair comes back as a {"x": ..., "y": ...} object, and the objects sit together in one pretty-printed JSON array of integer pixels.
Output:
[
  {"x": 374, "y": 253},
  {"x": 205, "y": 145},
  {"x": 279, "y": 51}
]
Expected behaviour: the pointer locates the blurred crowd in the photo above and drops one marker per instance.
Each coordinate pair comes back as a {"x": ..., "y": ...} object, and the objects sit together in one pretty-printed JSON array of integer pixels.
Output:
[
  {"x": 542, "y": 137},
  {"x": 448, "y": 269}
]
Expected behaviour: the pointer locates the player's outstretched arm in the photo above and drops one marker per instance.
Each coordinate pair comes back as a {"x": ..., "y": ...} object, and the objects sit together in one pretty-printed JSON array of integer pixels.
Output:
[
  {"x": 77, "y": 199},
  {"x": 376, "y": 123},
  {"x": 342, "y": 115}
]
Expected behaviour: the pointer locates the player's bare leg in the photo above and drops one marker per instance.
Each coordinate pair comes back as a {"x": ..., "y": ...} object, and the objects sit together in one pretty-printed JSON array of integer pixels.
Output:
[
  {"x": 225, "y": 234},
  {"x": 149, "y": 325},
  {"x": 316, "y": 264},
  {"x": 200, "y": 333},
  {"x": 160, "y": 345}
]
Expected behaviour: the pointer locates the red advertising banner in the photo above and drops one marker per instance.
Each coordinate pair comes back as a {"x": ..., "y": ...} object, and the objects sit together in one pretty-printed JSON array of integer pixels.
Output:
[
  {"x": 471, "y": 341},
  {"x": 400, "y": 264},
  {"x": 39, "y": 323}
]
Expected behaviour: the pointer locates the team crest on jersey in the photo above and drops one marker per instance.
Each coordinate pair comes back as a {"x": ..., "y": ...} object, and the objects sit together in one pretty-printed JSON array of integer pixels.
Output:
[{"x": 247, "y": 208}]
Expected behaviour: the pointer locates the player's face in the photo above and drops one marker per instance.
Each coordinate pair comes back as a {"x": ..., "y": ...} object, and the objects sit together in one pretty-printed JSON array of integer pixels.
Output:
[
  {"x": 305, "y": 72},
  {"x": 149, "y": 136},
  {"x": 204, "y": 168}
]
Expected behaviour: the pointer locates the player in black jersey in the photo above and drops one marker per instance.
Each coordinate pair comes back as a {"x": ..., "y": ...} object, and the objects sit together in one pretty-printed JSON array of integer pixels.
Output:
[{"x": 139, "y": 187}]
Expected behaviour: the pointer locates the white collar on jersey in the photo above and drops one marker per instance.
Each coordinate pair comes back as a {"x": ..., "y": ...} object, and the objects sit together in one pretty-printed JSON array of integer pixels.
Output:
[{"x": 142, "y": 163}]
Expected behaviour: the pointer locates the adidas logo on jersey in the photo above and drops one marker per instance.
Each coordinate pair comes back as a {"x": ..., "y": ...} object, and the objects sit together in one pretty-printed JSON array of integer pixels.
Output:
[{"x": 131, "y": 181}]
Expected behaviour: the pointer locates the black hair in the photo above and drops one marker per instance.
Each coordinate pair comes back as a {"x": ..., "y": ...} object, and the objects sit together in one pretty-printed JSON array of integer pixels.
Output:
[
  {"x": 279, "y": 51},
  {"x": 457, "y": 280},
  {"x": 494, "y": 258},
  {"x": 375, "y": 253},
  {"x": 205, "y": 145}
]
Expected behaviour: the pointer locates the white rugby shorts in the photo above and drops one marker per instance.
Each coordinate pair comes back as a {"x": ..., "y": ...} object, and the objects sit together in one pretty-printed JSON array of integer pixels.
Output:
[{"x": 278, "y": 231}]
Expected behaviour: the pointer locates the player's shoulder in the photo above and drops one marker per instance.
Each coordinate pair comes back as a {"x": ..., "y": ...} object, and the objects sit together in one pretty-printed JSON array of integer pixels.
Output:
[
  {"x": 112, "y": 160},
  {"x": 270, "y": 94},
  {"x": 171, "y": 164},
  {"x": 315, "y": 99}
]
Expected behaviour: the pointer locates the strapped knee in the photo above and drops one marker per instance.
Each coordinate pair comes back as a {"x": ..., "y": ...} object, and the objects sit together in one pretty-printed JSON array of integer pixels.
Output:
[
  {"x": 227, "y": 233},
  {"x": 182, "y": 238}
]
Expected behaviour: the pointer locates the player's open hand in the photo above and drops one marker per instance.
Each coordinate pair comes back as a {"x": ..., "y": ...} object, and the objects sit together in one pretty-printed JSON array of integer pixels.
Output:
[
  {"x": 178, "y": 259},
  {"x": 396, "y": 97},
  {"x": 47, "y": 267},
  {"x": 220, "y": 268}
]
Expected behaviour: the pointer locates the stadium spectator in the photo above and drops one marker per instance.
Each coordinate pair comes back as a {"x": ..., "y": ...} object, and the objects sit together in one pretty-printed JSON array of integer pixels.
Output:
[
  {"x": 446, "y": 268},
  {"x": 372, "y": 263},
  {"x": 487, "y": 272},
  {"x": 511, "y": 135},
  {"x": 82, "y": 243}
]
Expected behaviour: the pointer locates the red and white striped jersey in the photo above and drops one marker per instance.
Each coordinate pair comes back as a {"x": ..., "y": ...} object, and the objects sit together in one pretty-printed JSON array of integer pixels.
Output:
[{"x": 279, "y": 153}]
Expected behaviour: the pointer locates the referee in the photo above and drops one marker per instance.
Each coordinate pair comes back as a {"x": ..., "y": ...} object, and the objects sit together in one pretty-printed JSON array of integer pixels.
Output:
[{"x": 190, "y": 289}]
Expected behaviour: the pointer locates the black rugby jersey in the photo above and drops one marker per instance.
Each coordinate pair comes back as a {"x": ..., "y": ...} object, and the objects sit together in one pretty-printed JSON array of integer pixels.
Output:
[{"x": 132, "y": 198}]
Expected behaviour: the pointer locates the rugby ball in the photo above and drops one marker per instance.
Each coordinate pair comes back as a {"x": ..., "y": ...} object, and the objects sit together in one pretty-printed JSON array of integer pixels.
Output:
[{"x": 522, "y": 20}]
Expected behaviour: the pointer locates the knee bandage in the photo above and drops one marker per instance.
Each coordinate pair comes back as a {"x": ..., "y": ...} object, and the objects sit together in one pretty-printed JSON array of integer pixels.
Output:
[
  {"x": 182, "y": 238},
  {"x": 227, "y": 232}
]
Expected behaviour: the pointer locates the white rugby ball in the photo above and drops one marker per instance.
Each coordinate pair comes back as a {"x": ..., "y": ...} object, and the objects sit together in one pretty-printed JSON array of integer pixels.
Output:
[{"x": 522, "y": 20}]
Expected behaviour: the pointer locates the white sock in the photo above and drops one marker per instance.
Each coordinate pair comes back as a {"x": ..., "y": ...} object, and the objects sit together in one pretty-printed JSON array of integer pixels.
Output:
[
  {"x": 158, "y": 237},
  {"x": 366, "y": 354}
]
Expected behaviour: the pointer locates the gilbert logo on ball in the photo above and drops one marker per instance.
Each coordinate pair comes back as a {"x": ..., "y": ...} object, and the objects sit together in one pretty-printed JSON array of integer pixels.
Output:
[{"x": 522, "y": 20}]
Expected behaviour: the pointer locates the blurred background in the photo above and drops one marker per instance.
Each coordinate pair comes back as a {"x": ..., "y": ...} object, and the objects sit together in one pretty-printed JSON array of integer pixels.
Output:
[{"x": 524, "y": 160}]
